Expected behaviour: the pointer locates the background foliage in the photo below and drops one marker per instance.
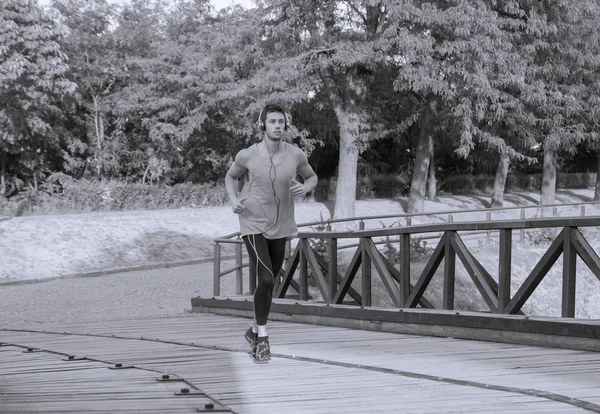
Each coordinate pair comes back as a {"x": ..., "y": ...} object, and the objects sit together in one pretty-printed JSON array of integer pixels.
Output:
[{"x": 151, "y": 99}]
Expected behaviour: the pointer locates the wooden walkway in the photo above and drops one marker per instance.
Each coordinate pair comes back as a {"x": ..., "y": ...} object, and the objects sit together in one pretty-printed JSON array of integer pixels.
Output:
[{"x": 315, "y": 369}]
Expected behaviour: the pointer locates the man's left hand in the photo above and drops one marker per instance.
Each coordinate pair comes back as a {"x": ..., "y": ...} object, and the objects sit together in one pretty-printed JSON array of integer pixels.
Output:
[{"x": 298, "y": 189}]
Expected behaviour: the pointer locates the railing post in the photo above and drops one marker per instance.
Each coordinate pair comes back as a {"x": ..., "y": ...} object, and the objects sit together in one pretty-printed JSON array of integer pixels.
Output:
[
  {"x": 288, "y": 252},
  {"x": 303, "y": 271},
  {"x": 332, "y": 270},
  {"x": 404, "y": 267},
  {"x": 522, "y": 231},
  {"x": 361, "y": 225},
  {"x": 488, "y": 217},
  {"x": 569, "y": 275},
  {"x": 450, "y": 218},
  {"x": 239, "y": 283},
  {"x": 504, "y": 269},
  {"x": 582, "y": 213},
  {"x": 449, "y": 272},
  {"x": 217, "y": 271},
  {"x": 408, "y": 221},
  {"x": 366, "y": 274}
]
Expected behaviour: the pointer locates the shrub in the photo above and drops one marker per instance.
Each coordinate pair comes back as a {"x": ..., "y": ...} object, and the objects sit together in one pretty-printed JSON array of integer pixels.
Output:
[
  {"x": 375, "y": 186},
  {"x": 471, "y": 184},
  {"x": 62, "y": 194}
]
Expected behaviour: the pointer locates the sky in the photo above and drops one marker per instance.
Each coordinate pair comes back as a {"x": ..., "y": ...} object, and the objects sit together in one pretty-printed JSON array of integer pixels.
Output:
[{"x": 219, "y": 4}]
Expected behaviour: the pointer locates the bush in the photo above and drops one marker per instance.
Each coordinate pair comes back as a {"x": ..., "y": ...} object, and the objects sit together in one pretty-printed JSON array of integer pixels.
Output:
[
  {"x": 472, "y": 184},
  {"x": 374, "y": 186},
  {"x": 62, "y": 194},
  {"x": 576, "y": 180}
]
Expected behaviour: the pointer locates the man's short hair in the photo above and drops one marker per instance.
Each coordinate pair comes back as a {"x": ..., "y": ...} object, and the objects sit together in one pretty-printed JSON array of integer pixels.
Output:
[{"x": 271, "y": 109}]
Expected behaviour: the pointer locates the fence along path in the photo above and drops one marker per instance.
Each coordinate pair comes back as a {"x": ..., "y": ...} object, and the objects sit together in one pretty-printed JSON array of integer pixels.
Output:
[
  {"x": 315, "y": 369},
  {"x": 522, "y": 213}
]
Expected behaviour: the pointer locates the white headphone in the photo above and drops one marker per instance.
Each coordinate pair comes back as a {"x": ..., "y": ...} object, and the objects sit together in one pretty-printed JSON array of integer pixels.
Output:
[{"x": 276, "y": 108}]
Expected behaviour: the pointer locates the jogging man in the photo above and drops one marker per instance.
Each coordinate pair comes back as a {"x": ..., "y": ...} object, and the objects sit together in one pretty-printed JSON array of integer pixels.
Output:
[{"x": 265, "y": 207}]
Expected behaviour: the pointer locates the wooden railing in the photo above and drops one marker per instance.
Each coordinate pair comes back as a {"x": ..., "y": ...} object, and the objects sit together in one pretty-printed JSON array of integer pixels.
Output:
[
  {"x": 495, "y": 291},
  {"x": 449, "y": 216}
]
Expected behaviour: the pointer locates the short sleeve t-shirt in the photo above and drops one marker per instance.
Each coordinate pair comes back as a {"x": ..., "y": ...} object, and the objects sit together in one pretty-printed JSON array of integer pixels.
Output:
[{"x": 266, "y": 195}]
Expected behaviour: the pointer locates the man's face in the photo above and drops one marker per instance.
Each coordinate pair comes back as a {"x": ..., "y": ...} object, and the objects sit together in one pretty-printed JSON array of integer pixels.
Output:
[{"x": 275, "y": 125}]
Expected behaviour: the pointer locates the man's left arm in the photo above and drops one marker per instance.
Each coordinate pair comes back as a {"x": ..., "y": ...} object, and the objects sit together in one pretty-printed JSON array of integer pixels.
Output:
[{"x": 306, "y": 171}]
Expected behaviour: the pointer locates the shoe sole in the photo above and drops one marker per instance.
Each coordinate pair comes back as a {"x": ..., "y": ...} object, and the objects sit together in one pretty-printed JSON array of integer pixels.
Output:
[{"x": 256, "y": 361}]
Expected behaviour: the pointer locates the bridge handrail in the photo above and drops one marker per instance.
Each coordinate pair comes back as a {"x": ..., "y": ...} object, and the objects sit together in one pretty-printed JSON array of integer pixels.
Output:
[
  {"x": 228, "y": 238},
  {"x": 234, "y": 238},
  {"x": 395, "y": 275},
  {"x": 534, "y": 223}
]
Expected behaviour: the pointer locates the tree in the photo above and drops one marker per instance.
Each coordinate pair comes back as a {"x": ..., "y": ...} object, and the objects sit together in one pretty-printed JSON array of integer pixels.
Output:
[
  {"x": 457, "y": 63},
  {"x": 32, "y": 86},
  {"x": 560, "y": 42},
  {"x": 98, "y": 71},
  {"x": 295, "y": 50}
]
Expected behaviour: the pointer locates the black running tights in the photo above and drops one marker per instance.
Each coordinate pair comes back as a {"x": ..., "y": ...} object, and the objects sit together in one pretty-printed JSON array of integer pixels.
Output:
[{"x": 266, "y": 256}]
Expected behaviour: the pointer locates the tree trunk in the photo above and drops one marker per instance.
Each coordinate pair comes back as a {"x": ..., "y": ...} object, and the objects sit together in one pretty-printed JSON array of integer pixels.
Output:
[
  {"x": 548, "y": 195},
  {"x": 500, "y": 181},
  {"x": 597, "y": 191},
  {"x": 345, "y": 192},
  {"x": 2, "y": 178},
  {"x": 418, "y": 182},
  {"x": 99, "y": 124},
  {"x": 431, "y": 181}
]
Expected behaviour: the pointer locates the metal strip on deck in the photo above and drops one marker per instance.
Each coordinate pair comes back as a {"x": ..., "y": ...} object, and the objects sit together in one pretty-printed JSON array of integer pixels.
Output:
[{"x": 37, "y": 381}]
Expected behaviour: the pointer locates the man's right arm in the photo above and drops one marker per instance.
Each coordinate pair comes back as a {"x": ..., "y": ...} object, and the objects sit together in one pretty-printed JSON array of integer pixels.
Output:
[{"x": 236, "y": 170}]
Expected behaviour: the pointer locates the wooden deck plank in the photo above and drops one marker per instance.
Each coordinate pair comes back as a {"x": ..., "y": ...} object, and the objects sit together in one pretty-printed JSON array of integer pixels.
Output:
[
  {"x": 218, "y": 364},
  {"x": 92, "y": 387}
]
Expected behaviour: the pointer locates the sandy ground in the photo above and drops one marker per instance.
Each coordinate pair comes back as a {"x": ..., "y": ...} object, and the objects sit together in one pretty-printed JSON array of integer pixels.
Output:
[{"x": 38, "y": 247}]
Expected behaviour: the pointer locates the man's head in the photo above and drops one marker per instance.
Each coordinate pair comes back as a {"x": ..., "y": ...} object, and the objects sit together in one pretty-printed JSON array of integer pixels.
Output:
[{"x": 273, "y": 121}]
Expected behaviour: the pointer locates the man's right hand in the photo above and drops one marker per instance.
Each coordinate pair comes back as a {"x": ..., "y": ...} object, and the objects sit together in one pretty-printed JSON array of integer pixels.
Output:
[{"x": 237, "y": 206}]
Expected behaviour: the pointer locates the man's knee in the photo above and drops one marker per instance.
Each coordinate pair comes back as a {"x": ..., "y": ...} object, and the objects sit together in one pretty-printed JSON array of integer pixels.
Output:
[{"x": 265, "y": 280}]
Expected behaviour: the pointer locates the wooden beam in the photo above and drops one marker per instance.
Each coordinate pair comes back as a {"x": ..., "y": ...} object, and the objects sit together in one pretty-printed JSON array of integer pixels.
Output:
[
  {"x": 332, "y": 272},
  {"x": 351, "y": 292},
  {"x": 397, "y": 277},
  {"x": 404, "y": 267},
  {"x": 537, "y": 274},
  {"x": 449, "y": 272},
  {"x": 471, "y": 265},
  {"x": 311, "y": 257},
  {"x": 537, "y": 223},
  {"x": 427, "y": 274},
  {"x": 586, "y": 252},
  {"x": 349, "y": 276},
  {"x": 289, "y": 274},
  {"x": 366, "y": 273},
  {"x": 303, "y": 281},
  {"x": 569, "y": 275},
  {"x": 384, "y": 274},
  {"x": 504, "y": 269}
]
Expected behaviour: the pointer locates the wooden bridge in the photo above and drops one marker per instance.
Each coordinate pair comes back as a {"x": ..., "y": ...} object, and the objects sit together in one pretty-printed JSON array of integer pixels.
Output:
[{"x": 333, "y": 350}]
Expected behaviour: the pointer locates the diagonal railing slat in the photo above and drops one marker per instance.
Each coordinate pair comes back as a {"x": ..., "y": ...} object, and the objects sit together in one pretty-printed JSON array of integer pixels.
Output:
[
  {"x": 386, "y": 276},
  {"x": 586, "y": 252},
  {"x": 426, "y": 275},
  {"x": 474, "y": 269},
  {"x": 348, "y": 277},
  {"x": 537, "y": 274},
  {"x": 404, "y": 278}
]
